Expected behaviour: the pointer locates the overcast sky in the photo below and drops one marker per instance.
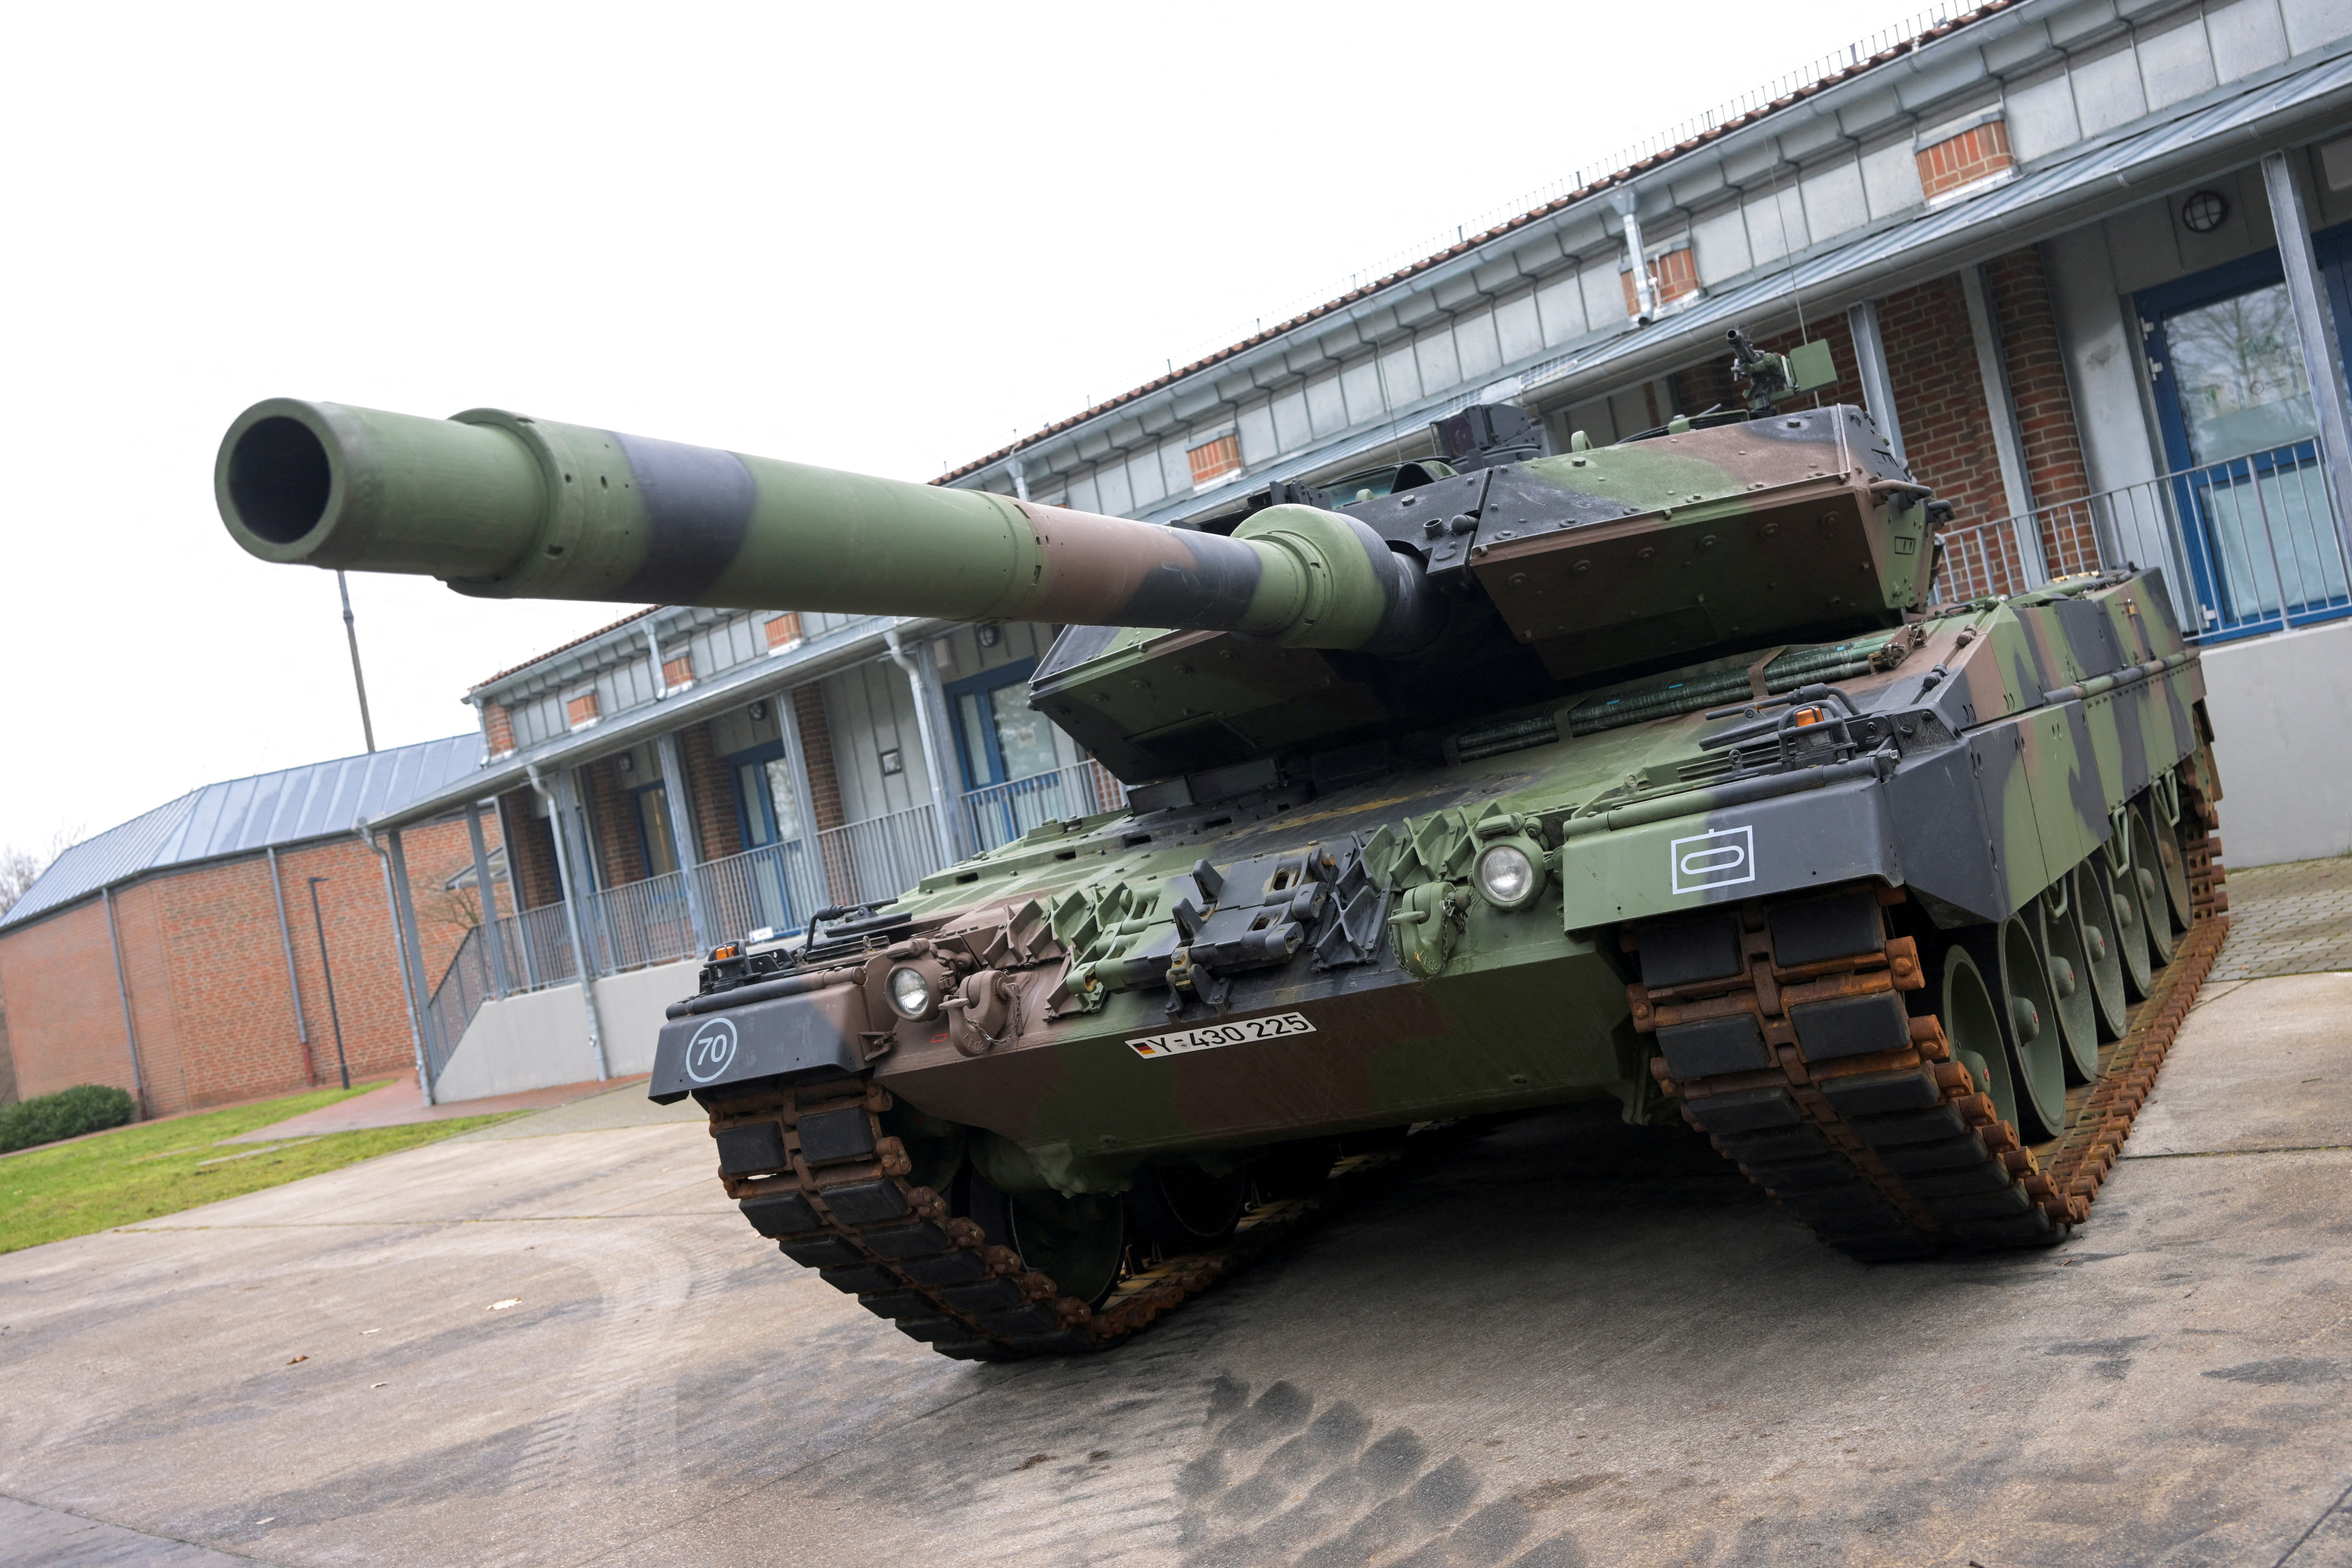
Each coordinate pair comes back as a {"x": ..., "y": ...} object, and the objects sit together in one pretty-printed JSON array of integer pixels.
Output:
[{"x": 881, "y": 238}]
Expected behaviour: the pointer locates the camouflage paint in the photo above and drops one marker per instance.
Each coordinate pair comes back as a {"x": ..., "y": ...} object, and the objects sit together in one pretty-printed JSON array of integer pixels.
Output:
[
  {"x": 1998, "y": 738},
  {"x": 501, "y": 506}
]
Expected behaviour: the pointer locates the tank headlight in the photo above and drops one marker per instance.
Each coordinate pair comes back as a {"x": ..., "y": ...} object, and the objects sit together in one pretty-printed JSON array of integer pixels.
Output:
[
  {"x": 1509, "y": 874},
  {"x": 911, "y": 992}
]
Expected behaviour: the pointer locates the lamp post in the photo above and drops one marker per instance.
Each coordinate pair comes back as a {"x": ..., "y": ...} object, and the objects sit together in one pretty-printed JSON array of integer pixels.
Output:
[
  {"x": 320, "y": 925},
  {"x": 359, "y": 682}
]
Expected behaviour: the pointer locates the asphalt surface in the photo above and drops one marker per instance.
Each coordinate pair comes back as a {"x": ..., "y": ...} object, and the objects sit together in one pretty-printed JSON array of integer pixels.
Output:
[{"x": 1566, "y": 1343}]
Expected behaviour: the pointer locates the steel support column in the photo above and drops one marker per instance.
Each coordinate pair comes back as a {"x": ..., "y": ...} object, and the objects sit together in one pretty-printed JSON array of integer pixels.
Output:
[
  {"x": 2001, "y": 410},
  {"x": 557, "y": 801},
  {"x": 407, "y": 971},
  {"x": 1877, "y": 386},
  {"x": 788, "y": 730},
  {"x": 930, "y": 728},
  {"x": 2315, "y": 331},
  {"x": 293, "y": 976},
  {"x": 123, "y": 993},
  {"x": 514, "y": 894},
  {"x": 575, "y": 867},
  {"x": 487, "y": 893},
  {"x": 682, "y": 833},
  {"x": 435, "y": 1049}
]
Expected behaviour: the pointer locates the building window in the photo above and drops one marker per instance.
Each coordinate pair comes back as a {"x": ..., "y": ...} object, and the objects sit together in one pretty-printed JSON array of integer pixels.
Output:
[
  {"x": 1959, "y": 164},
  {"x": 1673, "y": 280},
  {"x": 1211, "y": 461},
  {"x": 1675, "y": 273},
  {"x": 999, "y": 737},
  {"x": 654, "y": 837},
  {"x": 774, "y": 867},
  {"x": 784, "y": 632},
  {"x": 582, "y": 710}
]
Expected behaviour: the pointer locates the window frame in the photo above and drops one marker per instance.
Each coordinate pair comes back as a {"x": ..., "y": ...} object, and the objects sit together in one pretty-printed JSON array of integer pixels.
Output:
[{"x": 979, "y": 686}]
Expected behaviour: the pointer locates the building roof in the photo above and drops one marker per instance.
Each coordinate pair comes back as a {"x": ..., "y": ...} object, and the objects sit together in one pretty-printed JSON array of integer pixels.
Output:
[
  {"x": 539, "y": 658},
  {"x": 1660, "y": 150},
  {"x": 244, "y": 816}
]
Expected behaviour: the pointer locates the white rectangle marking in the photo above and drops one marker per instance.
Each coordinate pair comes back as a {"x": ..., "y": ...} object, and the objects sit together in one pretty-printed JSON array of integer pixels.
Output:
[
  {"x": 1717, "y": 859},
  {"x": 1209, "y": 1037}
]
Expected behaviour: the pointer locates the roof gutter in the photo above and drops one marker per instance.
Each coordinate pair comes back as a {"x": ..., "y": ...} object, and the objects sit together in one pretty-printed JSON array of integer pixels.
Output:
[{"x": 1668, "y": 345}]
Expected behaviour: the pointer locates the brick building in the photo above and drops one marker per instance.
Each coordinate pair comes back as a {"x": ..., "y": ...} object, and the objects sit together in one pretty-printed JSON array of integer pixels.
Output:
[{"x": 177, "y": 955}]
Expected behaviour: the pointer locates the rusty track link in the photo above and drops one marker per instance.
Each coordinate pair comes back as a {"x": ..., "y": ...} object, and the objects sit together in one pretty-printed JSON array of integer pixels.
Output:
[
  {"x": 1892, "y": 1152},
  {"x": 832, "y": 1190}
]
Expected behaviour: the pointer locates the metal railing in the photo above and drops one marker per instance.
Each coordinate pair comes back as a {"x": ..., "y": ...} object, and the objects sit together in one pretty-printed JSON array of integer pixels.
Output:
[
  {"x": 772, "y": 887},
  {"x": 881, "y": 857},
  {"x": 998, "y": 814},
  {"x": 464, "y": 986},
  {"x": 2249, "y": 545}
]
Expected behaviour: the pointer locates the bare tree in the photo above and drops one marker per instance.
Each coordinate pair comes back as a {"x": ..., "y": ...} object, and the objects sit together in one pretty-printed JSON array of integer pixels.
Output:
[{"x": 20, "y": 868}]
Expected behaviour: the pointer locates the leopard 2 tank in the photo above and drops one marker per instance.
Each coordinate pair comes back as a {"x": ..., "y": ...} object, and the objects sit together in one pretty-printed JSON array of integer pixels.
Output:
[{"x": 1649, "y": 771}]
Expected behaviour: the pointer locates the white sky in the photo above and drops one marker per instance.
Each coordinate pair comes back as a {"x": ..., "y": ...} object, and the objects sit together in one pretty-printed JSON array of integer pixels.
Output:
[{"x": 879, "y": 238}]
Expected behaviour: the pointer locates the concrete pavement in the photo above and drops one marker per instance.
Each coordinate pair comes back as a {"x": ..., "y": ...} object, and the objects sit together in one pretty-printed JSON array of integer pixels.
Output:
[{"x": 1568, "y": 1343}]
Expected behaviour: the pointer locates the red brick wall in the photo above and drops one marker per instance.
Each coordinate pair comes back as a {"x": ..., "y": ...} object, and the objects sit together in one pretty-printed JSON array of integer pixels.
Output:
[
  {"x": 206, "y": 975},
  {"x": 612, "y": 816},
  {"x": 816, "y": 750},
  {"x": 1931, "y": 362},
  {"x": 65, "y": 1026},
  {"x": 497, "y": 727},
  {"x": 2018, "y": 288},
  {"x": 713, "y": 795},
  {"x": 1974, "y": 154},
  {"x": 531, "y": 848}
]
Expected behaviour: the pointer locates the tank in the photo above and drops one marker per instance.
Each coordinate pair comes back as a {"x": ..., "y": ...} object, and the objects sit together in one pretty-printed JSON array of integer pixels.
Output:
[{"x": 1648, "y": 773}]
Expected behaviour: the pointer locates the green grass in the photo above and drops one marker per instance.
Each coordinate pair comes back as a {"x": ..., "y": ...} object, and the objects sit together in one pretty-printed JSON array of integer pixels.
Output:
[{"x": 156, "y": 1168}]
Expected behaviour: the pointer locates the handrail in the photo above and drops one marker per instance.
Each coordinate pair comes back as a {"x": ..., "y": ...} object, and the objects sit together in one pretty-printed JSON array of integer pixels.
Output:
[{"x": 2251, "y": 543}]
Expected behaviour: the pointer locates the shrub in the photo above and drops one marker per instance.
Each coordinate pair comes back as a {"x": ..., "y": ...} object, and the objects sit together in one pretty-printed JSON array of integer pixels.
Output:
[{"x": 69, "y": 1113}]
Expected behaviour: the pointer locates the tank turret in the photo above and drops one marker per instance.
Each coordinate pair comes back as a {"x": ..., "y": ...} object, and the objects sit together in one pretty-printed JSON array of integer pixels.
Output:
[{"x": 1291, "y": 627}]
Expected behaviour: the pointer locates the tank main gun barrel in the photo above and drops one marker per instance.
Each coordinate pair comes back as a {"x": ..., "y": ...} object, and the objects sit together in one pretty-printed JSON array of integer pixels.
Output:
[{"x": 500, "y": 506}]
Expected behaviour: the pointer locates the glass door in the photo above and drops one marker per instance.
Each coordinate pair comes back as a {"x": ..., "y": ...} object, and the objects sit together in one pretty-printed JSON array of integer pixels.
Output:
[
  {"x": 771, "y": 836},
  {"x": 1013, "y": 777},
  {"x": 2240, "y": 434}
]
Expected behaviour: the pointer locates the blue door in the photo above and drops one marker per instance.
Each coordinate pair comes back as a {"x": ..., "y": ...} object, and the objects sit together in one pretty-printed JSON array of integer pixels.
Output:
[
  {"x": 761, "y": 888},
  {"x": 1012, "y": 776},
  {"x": 2240, "y": 439}
]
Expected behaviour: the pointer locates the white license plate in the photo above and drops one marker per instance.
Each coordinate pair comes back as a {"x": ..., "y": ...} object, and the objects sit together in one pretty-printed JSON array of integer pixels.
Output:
[{"x": 1209, "y": 1037}]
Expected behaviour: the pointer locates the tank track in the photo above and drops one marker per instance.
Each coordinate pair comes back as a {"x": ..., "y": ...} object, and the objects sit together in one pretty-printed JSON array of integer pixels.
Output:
[
  {"x": 1887, "y": 1154},
  {"x": 1897, "y": 1152},
  {"x": 838, "y": 1200}
]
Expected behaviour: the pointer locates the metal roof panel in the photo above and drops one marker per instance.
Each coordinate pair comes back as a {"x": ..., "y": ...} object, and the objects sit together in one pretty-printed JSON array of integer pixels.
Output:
[{"x": 242, "y": 816}]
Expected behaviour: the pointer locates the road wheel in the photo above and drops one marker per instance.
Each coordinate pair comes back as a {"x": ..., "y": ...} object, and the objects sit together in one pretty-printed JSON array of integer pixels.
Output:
[
  {"x": 2096, "y": 918},
  {"x": 1184, "y": 1208},
  {"x": 2168, "y": 855},
  {"x": 1973, "y": 1024},
  {"x": 2057, "y": 920},
  {"x": 2131, "y": 926},
  {"x": 2148, "y": 881},
  {"x": 1079, "y": 1240}
]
